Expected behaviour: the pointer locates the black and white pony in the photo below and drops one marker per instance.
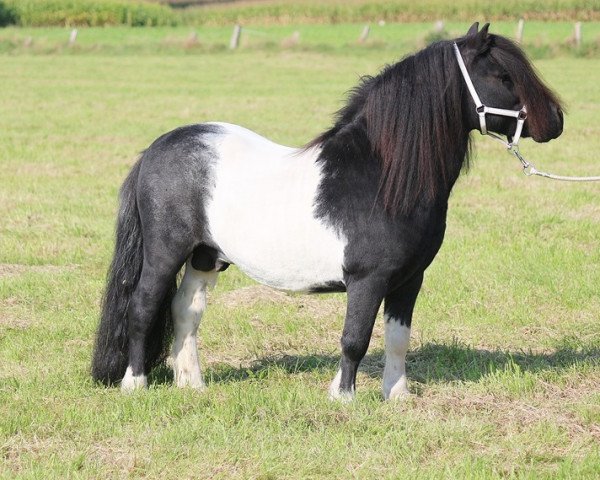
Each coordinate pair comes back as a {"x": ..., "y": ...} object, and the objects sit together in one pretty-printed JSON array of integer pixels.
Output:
[{"x": 361, "y": 208}]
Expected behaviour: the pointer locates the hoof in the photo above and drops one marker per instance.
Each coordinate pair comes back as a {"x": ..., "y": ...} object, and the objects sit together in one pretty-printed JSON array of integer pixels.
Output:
[
  {"x": 341, "y": 397},
  {"x": 186, "y": 380},
  {"x": 337, "y": 395},
  {"x": 399, "y": 391},
  {"x": 130, "y": 383}
]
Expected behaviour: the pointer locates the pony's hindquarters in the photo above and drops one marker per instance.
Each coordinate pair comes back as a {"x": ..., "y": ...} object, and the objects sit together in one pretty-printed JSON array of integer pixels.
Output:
[
  {"x": 161, "y": 221},
  {"x": 111, "y": 351}
]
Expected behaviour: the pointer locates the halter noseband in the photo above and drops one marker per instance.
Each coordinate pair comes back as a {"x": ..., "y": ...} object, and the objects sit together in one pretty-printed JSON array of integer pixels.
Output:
[{"x": 520, "y": 115}]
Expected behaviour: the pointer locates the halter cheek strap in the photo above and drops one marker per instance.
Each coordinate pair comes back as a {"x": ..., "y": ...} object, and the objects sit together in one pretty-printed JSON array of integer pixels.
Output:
[{"x": 481, "y": 109}]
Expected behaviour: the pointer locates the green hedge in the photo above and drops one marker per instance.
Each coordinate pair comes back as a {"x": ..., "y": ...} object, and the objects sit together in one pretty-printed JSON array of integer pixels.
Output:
[
  {"x": 34, "y": 13},
  {"x": 319, "y": 11},
  {"x": 151, "y": 12}
]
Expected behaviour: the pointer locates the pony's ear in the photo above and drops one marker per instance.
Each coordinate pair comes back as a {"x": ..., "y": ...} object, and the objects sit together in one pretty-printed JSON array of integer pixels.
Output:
[
  {"x": 478, "y": 40},
  {"x": 473, "y": 30}
]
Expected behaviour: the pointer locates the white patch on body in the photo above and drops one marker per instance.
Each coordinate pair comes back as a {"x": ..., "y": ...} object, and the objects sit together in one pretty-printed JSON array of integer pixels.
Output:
[
  {"x": 334, "y": 390},
  {"x": 187, "y": 308},
  {"x": 261, "y": 212},
  {"x": 397, "y": 338},
  {"x": 131, "y": 382}
]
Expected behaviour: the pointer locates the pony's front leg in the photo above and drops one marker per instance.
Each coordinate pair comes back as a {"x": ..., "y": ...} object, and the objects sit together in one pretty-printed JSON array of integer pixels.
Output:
[
  {"x": 398, "y": 310},
  {"x": 187, "y": 309},
  {"x": 364, "y": 299}
]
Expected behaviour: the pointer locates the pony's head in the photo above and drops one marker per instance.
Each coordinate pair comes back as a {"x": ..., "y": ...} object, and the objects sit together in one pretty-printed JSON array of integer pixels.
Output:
[
  {"x": 504, "y": 78},
  {"x": 417, "y": 114}
]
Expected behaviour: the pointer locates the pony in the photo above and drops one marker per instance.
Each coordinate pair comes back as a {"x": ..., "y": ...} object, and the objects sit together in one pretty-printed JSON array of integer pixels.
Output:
[{"x": 360, "y": 209}]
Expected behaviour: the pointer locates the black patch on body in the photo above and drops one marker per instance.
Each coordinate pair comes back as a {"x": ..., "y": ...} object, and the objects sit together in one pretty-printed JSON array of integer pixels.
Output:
[{"x": 328, "y": 287}]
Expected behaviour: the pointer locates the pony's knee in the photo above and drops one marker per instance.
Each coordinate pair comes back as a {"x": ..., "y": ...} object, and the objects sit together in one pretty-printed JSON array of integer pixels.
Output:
[{"x": 354, "y": 347}]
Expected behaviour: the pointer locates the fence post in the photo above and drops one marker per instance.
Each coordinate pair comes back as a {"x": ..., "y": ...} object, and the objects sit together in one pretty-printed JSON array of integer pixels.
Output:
[
  {"x": 191, "y": 40},
  {"x": 365, "y": 34},
  {"x": 439, "y": 26},
  {"x": 235, "y": 37},
  {"x": 578, "y": 34},
  {"x": 73, "y": 37},
  {"x": 292, "y": 40},
  {"x": 520, "y": 27}
]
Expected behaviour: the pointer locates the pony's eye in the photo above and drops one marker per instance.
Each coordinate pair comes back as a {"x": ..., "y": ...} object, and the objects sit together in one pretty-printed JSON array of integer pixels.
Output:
[{"x": 506, "y": 79}]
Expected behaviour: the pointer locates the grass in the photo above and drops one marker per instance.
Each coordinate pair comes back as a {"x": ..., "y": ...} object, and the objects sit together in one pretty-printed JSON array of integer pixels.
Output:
[
  {"x": 504, "y": 361},
  {"x": 542, "y": 39}
]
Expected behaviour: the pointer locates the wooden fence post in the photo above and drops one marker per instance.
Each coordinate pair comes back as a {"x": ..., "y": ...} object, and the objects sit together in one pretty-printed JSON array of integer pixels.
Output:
[
  {"x": 292, "y": 40},
  {"x": 235, "y": 37},
  {"x": 365, "y": 34},
  {"x": 520, "y": 27},
  {"x": 578, "y": 34},
  {"x": 73, "y": 37},
  {"x": 192, "y": 40}
]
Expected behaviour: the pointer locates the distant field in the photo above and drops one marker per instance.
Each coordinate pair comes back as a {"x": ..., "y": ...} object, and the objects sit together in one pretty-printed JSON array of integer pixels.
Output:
[
  {"x": 505, "y": 356},
  {"x": 541, "y": 39},
  {"x": 340, "y": 11},
  {"x": 286, "y": 12}
]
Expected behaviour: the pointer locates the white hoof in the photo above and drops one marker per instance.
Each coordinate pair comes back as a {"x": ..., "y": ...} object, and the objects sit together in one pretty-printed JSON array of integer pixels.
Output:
[
  {"x": 131, "y": 383},
  {"x": 395, "y": 390},
  {"x": 187, "y": 379},
  {"x": 337, "y": 395},
  {"x": 398, "y": 394}
]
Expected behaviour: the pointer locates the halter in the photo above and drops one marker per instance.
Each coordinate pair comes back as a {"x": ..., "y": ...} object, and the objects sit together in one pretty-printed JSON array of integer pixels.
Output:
[{"x": 481, "y": 109}]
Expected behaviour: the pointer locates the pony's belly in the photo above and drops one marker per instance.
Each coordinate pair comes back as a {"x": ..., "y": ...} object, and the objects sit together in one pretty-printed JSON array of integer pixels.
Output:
[
  {"x": 261, "y": 213},
  {"x": 275, "y": 241},
  {"x": 295, "y": 264}
]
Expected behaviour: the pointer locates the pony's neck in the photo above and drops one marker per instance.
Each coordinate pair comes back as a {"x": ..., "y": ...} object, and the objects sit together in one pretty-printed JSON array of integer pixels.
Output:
[{"x": 412, "y": 117}]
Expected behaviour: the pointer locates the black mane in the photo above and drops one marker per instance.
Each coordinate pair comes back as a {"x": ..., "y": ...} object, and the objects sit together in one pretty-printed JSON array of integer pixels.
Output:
[{"x": 412, "y": 116}]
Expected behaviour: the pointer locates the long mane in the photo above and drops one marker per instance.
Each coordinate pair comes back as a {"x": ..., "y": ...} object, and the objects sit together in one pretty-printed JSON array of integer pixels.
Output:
[{"x": 412, "y": 114}]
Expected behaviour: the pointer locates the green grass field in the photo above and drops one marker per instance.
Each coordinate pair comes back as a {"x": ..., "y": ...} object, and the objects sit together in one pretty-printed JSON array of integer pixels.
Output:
[
  {"x": 542, "y": 39},
  {"x": 505, "y": 355}
]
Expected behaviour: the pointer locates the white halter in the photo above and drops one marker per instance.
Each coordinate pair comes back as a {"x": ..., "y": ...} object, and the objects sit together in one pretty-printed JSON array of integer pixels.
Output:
[{"x": 520, "y": 115}]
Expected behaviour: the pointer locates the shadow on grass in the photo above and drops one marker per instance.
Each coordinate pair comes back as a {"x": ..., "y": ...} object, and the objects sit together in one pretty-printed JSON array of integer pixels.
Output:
[{"x": 430, "y": 363}]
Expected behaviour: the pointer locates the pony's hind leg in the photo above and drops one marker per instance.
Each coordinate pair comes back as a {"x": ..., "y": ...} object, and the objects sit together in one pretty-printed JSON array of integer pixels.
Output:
[
  {"x": 187, "y": 309},
  {"x": 146, "y": 322},
  {"x": 398, "y": 311}
]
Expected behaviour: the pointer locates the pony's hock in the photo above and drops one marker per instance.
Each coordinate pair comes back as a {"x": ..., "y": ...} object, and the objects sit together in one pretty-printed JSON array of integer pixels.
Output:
[{"x": 361, "y": 208}]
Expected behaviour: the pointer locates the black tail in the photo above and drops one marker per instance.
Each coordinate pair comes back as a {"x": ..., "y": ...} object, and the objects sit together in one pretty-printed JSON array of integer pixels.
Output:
[{"x": 111, "y": 351}]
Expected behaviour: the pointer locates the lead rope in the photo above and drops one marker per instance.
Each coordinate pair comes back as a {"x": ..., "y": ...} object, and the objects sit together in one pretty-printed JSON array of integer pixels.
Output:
[{"x": 530, "y": 170}]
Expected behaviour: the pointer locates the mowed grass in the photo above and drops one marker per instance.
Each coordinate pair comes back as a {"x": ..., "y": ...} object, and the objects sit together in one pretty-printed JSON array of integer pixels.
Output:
[
  {"x": 543, "y": 39},
  {"x": 504, "y": 363}
]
